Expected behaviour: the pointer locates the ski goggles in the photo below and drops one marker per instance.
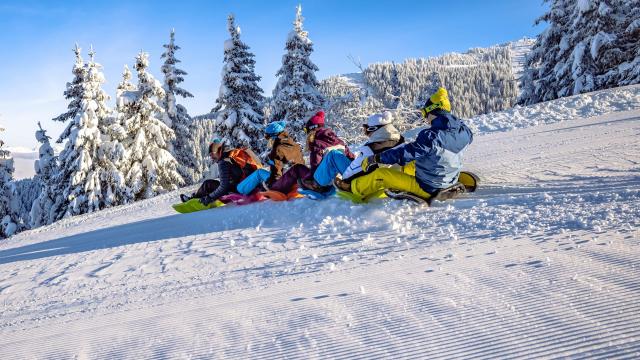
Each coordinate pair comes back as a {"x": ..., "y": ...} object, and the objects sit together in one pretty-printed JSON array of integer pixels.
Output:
[
  {"x": 426, "y": 110},
  {"x": 368, "y": 128},
  {"x": 307, "y": 129}
]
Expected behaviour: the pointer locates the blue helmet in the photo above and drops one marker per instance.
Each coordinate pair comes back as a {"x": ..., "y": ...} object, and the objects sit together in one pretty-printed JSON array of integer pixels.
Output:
[{"x": 275, "y": 128}]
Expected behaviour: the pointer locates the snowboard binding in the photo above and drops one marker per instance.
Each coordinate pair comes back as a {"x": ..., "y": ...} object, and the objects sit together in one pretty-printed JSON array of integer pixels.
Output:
[
  {"x": 467, "y": 183},
  {"x": 451, "y": 192},
  {"x": 440, "y": 195},
  {"x": 404, "y": 195}
]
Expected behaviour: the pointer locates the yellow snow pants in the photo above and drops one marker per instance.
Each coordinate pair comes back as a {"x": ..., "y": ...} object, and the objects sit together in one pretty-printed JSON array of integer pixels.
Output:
[
  {"x": 410, "y": 168},
  {"x": 388, "y": 178}
]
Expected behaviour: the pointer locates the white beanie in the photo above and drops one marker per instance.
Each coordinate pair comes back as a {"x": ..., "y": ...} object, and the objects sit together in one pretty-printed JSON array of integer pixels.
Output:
[{"x": 385, "y": 118}]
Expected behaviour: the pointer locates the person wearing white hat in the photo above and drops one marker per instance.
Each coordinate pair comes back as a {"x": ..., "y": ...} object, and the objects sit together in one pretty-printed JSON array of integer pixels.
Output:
[{"x": 382, "y": 135}]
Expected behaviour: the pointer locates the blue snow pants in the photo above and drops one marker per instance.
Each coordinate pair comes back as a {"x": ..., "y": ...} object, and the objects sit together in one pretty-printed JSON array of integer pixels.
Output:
[
  {"x": 246, "y": 186},
  {"x": 333, "y": 163}
]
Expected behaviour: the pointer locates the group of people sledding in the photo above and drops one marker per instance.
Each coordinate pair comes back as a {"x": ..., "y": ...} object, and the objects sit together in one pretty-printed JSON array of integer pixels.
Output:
[{"x": 386, "y": 164}]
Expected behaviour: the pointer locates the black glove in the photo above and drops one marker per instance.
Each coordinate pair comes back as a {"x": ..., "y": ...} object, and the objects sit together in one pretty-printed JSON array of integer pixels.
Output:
[
  {"x": 370, "y": 163},
  {"x": 206, "y": 200}
]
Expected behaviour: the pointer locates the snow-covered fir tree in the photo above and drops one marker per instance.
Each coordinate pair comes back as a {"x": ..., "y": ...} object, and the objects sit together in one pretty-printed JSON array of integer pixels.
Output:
[
  {"x": 45, "y": 167},
  {"x": 151, "y": 167},
  {"x": 183, "y": 148},
  {"x": 74, "y": 93},
  {"x": 204, "y": 131},
  {"x": 112, "y": 153},
  {"x": 627, "y": 54},
  {"x": 8, "y": 218},
  {"x": 434, "y": 81},
  {"x": 240, "y": 118},
  {"x": 27, "y": 190},
  {"x": 589, "y": 45},
  {"x": 396, "y": 90},
  {"x": 78, "y": 181},
  {"x": 296, "y": 95}
]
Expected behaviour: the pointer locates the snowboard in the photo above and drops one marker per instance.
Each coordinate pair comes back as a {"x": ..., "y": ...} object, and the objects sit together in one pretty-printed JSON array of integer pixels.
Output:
[
  {"x": 314, "y": 195},
  {"x": 194, "y": 205},
  {"x": 278, "y": 196},
  {"x": 469, "y": 180},
  {"x": 239, "y": 199},
  {"x": 467, "y": 183}
]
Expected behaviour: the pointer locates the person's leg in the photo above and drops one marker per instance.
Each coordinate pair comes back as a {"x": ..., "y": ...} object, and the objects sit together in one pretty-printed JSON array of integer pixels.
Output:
[
  {"x": 290, "y": 178},
  {"x": 246, "y": 186},
  {"x": 410, "y": 168},
  {"x": 207, "y": 187},
  {"x": 332, "y": 163},
  {"x": 386, "y": 178}
]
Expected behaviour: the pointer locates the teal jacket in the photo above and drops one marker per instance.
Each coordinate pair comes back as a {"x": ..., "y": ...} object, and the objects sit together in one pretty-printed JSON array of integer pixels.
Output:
[{"x": 437, "y": 152}]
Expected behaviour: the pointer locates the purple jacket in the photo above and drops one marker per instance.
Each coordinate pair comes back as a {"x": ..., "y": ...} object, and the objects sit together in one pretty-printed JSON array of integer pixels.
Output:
[{"x": 323, "y": 139}]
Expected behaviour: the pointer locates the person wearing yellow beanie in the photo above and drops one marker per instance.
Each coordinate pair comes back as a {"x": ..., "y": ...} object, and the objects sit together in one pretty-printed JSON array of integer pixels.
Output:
[
  {"x": 436, "y": 155},
  {"x": 439, "y": 100}
]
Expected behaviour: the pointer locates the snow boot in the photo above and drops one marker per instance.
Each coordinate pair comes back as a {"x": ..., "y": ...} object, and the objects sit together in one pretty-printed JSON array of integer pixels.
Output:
[
  {"x": 447, "y": 193},
  {"x": 342, "y": 185},
  {"x": 185, "y": 197},
  {"x": 310, "y": 184}
]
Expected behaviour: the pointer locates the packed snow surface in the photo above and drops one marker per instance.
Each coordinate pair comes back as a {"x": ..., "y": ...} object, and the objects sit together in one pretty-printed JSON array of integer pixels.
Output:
[
  {"x": 567, "y": 108},
  {"x": 541, "y": 262}
]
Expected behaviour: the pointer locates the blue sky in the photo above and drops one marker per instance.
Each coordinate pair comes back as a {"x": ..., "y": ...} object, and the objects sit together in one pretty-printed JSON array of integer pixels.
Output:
[{"x": 38, "y": 36}]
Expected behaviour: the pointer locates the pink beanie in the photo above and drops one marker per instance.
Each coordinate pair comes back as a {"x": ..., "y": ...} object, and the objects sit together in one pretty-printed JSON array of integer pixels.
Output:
[{"x": 317, "y": 119}]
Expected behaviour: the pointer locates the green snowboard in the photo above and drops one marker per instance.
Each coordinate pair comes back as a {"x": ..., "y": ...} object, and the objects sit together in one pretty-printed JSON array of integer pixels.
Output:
[{"x": 194, "y": 205}]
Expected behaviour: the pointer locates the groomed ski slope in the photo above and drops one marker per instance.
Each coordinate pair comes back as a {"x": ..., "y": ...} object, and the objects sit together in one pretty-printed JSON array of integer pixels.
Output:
[{"x": 542, "y": 262}]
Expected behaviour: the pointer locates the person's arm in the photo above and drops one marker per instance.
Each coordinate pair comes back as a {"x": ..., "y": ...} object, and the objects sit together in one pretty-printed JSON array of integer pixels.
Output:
[
  {"x": 355, "y": 167},
  {"x": 276, "y": 170},
  {"x": 315, "y": 157},
  {"x": 348, "y": 153},
  {"x": 224, "y": 169},
  {"x": 408, "y": 152}
]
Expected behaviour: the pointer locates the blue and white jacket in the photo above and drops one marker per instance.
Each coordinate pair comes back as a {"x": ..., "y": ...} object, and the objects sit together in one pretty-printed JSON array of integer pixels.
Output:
[{"x": 437, "y": 152}]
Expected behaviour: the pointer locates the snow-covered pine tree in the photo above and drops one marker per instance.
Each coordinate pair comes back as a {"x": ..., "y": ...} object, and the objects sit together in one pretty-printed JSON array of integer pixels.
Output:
[
  {"x": 296, "y": 95},
  {"x": 175, "y": 115},
  {"x": 8, "y": 217},
  {"x": 46, "y": 167},
  {"x": 589, "y": 45},
  {"x": 151, "y": 167},
  {"x": 74, "y": 93},
  {"x": 615, "y": 42},
  {"x": 78, "y": 181},
  {"x": 204, "y": 131},
  {"x": 27, "y": 190},
  {"x": 537, "y": 80},
  {"x": 112, "y": 153},
  {"x": 396, "y": 90},
  {"x": 433, "y": 82},
  {"x": 240, "y": 118}
]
